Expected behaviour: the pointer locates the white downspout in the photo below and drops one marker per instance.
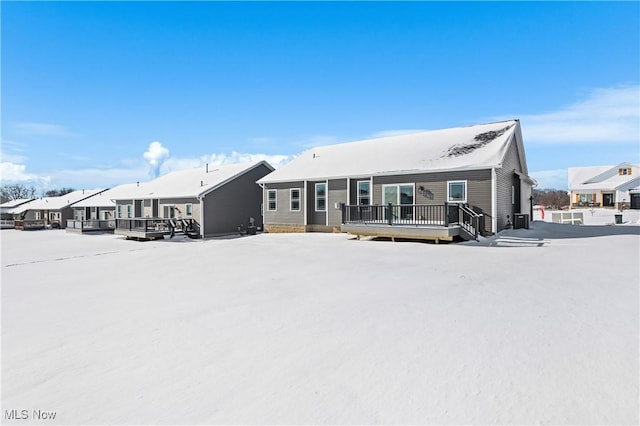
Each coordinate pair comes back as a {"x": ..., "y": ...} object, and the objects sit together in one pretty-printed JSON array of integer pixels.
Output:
[
  {"x": 494, "y": 202},
  {"x": 304, "y": 206},
  {"x": 202, "y": 217},
  {"x": 326, "y": 203}
]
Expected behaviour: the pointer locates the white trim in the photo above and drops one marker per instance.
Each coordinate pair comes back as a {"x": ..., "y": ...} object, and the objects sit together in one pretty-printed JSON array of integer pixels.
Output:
[
  {"x": 348, "y": 191},
  {"x": 315, "y": 197},
  {"x": 275, "y": 209},
  {"x": 201, "y": 215},
  {"x": 370, "y": 191},
  {"x": 304, "y": 205},
  {"x": 494, "y": 202},
  {"x": 291, "y": 209},
  {"x": 326, "y": 203},
  {"x": 466, "y": 191}
]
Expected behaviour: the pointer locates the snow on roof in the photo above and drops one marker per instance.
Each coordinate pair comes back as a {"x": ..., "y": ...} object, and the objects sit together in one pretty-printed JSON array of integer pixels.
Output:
[
  {"x": 57, "y": 203},
  {"x": 600, "y": 177},
  {"x": 15, "y": 203},
  {"x": 105, "y": 198},
  {"x": 471, "y": 147},
  {"x": 188, "y": 183}
]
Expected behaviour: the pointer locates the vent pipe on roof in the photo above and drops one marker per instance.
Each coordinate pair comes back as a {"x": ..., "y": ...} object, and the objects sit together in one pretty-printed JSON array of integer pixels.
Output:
[
  {"x": 138, "y": 183},
  {"x": 201, "y": 183},
  {"x": 206, "y": 168}
]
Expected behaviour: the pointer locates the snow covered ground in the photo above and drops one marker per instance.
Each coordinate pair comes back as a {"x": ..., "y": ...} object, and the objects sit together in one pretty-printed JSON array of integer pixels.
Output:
[{"x": 531, "y": 326}]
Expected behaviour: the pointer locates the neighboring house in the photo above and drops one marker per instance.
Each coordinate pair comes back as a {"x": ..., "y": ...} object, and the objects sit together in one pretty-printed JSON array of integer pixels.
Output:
[
  {"x": 212, "y": 200},
  {"x": 422, "y": 175},
  {"x": 605, "y": 186},
  {"x": 7, "y": 209},
  {"x": 98, "y": 213},
  {"x": 54, "y": 211}
]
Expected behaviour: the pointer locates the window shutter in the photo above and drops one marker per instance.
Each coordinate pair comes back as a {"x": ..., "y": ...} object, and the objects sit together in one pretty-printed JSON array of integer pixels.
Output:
[
  {"x": 577, "y": 198},
  {"x": 593, "y": 197}
]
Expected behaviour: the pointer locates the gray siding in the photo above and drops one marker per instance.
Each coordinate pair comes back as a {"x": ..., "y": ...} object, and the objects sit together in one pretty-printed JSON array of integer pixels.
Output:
[
  {"x": 283, "y": 214},
  {"x": 435, "y": 188},
  {"x": 504, "y": 181},
  {"x": 231, "y": 205},
  {"x": 337, "y": 193},
  {"x": 315, "y": 218}
]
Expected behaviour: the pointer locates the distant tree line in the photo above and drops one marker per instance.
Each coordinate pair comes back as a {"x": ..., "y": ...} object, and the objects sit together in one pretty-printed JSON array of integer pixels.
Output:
[
  {"x": 18, "y": 190},
  {"x": 551, "y": 198}
]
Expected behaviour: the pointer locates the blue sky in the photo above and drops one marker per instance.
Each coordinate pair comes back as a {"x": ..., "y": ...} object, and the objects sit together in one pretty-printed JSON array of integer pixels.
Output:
[{"x": 95, "y": 94}]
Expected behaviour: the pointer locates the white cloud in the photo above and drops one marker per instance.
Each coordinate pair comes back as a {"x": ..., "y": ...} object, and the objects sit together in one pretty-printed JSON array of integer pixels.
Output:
[
  {"x": 17, "y": 173},
  {"x": 216, "y": 159},
  {"x": 155, "y": 155},
  {"x": 609, "y": 116},
  {"x": 41, "y": 129},
  {"x": 551, "y": 179}
]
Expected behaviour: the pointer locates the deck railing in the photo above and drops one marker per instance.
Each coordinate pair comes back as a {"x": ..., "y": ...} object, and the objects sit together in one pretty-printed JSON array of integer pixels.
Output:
[
  {"x": 397, "y": 214},
  {"x": 91, "y": 225},
  {"x": 29, "y": 224},
  {"x": 157, "y": 224},
  {"x": 416, "y": 215},
  {"x": 7, "y": 223},
  {"x": 142, "y": 224}
]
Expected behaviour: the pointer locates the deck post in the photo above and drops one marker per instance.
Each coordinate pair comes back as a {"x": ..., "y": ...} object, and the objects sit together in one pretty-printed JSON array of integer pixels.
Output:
[
  {"x": 446, "y": 214},
  {"x": 343, "y": 206},
  {"x": 390, "y": 214}
]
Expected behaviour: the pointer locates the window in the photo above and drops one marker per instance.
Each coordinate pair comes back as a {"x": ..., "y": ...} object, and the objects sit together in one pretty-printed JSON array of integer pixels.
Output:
[
  {"x": 624, "y": 171},
  {"x": 513, "y": 194},
  {"x": 129, "y": 210},
  {"x": 188, "y": 209},
  {"x": 587, "y": 198},
  {"x": 272, "y": 200},
  {"x": 321, "y": 197},
  {"x": 364, "y": 189},
  {"x": 295, "y": 200},
  {"x": 119, "y": 211},
  {"x": 457, "y": 191}
]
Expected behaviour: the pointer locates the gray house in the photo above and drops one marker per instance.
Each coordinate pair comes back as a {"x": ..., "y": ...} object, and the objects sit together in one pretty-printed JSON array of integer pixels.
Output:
[
  {"x": 203, "y": 202},
  {"x": 53, "y": 211},
  {"x": 437, "y": 184}
]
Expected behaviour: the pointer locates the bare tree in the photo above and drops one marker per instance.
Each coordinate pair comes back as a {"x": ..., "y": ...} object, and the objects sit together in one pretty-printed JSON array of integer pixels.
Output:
[
  {"x": 58, "y": 192},
  {"x": 16, "y": 191},
  {"x": 552, "y": 198}
]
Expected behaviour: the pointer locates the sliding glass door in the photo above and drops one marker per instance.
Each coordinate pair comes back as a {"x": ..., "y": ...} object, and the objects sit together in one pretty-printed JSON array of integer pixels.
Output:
[{"x": 401, "y": 196}]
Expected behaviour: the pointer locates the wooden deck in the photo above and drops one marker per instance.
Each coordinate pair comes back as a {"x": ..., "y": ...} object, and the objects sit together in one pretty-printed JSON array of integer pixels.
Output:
[
  {"x": 91, "y": 226},
  {"x": 29, "y": 225},
  {"x": 423, "y": 232},
  {"x": 437, "y": 222}
]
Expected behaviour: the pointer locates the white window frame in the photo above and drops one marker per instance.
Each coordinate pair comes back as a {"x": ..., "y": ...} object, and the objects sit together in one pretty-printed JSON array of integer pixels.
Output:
[
  {"x": 320, "y": 198},
  {"x": 275, "y": 200},
  {"x": 359, "y": 197},
  {"x": 513, "y": 194},
  {"x": 466, "y": 191},
  {"x": 129, "y": 210},
  {"x": 291, "y": 209},
  {"x": 119, "y": 211},
  {"x": 188, "y": 209}
]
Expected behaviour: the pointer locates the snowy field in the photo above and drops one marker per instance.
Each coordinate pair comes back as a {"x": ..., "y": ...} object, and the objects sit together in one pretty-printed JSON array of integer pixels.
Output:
[
  {"x": 595, "y": 216},
  {"x": 535, "y": 326}
]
